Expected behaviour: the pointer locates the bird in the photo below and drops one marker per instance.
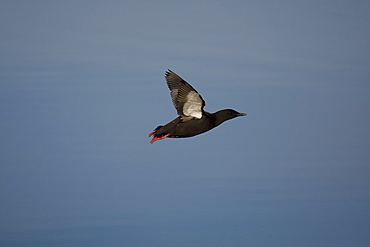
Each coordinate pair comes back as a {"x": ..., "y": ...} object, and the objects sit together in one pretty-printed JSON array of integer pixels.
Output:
[{"x": 193, "y": 119}]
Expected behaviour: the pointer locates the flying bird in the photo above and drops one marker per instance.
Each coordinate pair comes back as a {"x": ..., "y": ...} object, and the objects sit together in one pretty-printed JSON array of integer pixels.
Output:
[{"x": 192, "y": 119}]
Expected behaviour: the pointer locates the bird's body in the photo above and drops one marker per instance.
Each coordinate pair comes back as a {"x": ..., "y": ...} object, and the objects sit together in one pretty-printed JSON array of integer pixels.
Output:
[{"x": 192, "y": 120}]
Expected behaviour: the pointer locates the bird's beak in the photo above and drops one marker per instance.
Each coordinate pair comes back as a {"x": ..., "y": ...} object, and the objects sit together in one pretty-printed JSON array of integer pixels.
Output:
[{"x": 242, "y": 114}]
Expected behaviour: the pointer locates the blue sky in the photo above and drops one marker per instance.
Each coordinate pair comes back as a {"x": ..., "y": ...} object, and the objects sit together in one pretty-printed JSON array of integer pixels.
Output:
[{"x": 82, "y": 84}]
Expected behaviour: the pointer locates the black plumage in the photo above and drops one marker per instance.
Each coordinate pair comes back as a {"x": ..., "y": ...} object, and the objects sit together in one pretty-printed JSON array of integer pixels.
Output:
[{"x": 192, "y": 120}]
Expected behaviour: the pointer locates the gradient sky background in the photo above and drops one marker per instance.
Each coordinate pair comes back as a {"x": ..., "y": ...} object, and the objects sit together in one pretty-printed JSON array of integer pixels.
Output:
[{"x": 82, "y": 84}]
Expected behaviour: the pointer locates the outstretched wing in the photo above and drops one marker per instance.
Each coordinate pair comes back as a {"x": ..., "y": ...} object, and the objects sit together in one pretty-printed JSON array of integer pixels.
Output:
[{"x": 185, "y": 98}]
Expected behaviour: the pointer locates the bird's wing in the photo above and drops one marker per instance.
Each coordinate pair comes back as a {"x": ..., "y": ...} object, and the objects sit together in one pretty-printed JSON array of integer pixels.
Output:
[{"x": 185, "y": 98}]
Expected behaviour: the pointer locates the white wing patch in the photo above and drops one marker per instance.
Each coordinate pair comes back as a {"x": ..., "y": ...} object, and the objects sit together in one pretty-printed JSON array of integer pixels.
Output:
[{"x": 193, "y": 105}]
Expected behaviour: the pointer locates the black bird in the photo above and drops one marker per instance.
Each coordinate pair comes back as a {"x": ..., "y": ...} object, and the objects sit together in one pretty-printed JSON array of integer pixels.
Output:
[{"x": 192, "y": 120}]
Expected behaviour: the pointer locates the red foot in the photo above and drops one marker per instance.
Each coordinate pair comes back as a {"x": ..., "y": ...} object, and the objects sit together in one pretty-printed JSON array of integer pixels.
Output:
[
  {"x": 151, "y": 133},
  {"x": 158, "y": 138}
]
